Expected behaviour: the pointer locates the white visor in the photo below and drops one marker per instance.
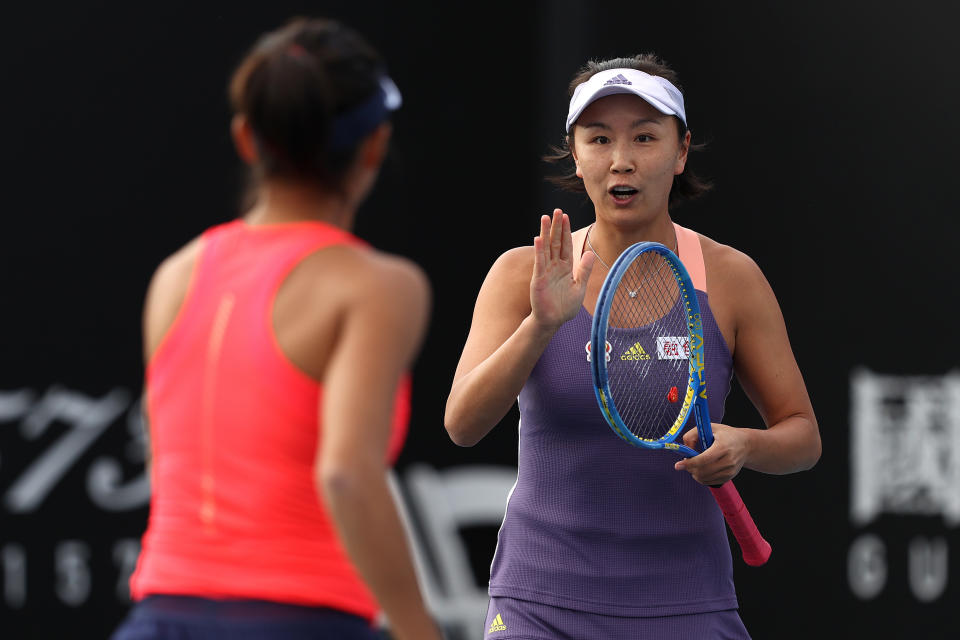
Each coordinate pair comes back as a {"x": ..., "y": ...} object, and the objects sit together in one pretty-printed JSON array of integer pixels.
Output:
[{"x": 659, "y": 92}]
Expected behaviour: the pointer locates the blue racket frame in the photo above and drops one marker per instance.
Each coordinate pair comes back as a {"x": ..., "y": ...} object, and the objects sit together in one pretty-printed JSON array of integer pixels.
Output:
[{"x": 695, "y": 400}]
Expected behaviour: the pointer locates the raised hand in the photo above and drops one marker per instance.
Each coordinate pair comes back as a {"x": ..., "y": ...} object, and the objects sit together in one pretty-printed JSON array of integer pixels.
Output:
[{"x": 556, "y": 289}]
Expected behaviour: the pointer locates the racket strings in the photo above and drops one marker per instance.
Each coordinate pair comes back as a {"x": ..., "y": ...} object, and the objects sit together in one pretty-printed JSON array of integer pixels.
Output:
[
  {"x": 647, "y": 292},
  {"x": 646, "y": 382}
]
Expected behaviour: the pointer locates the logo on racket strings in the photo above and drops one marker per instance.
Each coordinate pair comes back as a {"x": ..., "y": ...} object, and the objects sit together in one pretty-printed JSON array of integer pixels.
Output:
[
  {"x": 673, "y": 347},
  {"x": 607, "y": 347},
  {"x": 636, "y": 352}
]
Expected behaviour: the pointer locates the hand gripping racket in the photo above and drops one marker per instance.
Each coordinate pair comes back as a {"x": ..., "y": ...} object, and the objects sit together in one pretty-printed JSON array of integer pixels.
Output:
[{"x": 648, "y": 367}]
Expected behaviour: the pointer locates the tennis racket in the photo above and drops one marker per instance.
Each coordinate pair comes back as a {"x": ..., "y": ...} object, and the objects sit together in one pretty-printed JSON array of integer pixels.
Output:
[{"x": 648, "y": 371}]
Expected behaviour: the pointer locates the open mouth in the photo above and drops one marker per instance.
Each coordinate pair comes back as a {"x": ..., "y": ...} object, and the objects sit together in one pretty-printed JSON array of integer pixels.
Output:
[{"x": 622, "y": 193}]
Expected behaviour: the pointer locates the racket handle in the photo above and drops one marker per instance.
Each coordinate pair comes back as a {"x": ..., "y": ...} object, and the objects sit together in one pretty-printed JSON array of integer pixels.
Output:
[{"x": 755, "y": 549}]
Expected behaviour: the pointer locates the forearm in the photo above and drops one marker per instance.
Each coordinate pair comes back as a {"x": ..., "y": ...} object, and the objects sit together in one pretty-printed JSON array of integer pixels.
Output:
[
  {"x": 790, "y": 445},
  {"x": 369, "y": 525},
  {"x": 480, "y": 398}
]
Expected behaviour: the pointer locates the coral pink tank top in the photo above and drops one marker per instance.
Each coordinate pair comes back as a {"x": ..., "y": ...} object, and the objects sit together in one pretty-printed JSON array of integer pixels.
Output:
[{"x": 234, "y": 430}]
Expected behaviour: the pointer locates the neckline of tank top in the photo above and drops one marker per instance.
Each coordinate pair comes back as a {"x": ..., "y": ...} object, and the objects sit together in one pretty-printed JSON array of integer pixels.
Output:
[
  {"x": 676, "y": 244},
  {"x": 286, "y": 226}
]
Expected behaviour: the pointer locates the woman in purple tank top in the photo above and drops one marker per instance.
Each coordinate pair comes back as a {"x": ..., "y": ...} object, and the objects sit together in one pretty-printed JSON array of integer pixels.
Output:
[{"x": 577, "y": 558}]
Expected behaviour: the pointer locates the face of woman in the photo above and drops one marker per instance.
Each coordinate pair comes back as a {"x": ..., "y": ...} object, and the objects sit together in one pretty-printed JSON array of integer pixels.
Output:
[{"x": 627, "y": 153}]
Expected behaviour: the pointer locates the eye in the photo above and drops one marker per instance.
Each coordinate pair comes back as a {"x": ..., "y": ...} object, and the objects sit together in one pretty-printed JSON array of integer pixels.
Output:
[
  {"x": 643, "y": 137},
  {"x": 600, "y": 139}
]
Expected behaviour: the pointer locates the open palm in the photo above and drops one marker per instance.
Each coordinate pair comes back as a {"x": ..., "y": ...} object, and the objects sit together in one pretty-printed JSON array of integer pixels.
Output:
[{"x": 556, "y": 289}]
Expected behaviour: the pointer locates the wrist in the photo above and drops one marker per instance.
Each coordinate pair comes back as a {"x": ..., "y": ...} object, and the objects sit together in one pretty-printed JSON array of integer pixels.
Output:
[
  {"x": 540, "y": 330},
  {"x": 750, "y": 445}
]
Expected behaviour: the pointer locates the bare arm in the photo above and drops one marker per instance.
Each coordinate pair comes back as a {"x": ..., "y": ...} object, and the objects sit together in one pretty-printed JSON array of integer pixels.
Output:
[
  {"x": 165, "y": 295},
  {"x": 768, "y": 372},
  {"x": 526, "y": 296},
  {"x": 382, "y": 330}
]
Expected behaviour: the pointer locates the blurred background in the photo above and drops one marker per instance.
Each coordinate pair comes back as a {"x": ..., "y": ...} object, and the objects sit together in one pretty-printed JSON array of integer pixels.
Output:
[{"x": 831, "y": 137}]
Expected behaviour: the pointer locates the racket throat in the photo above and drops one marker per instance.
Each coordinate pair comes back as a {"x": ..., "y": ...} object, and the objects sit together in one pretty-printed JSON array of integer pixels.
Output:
[{"x": 704, "y": 431}]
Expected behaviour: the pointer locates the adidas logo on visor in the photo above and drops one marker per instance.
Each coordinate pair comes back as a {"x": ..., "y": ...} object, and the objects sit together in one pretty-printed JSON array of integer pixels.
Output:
[{"x": 617, "y": 79}]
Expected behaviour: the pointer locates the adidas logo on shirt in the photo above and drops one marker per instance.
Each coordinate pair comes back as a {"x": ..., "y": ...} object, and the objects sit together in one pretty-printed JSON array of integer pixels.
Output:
[
  {"x": 635, "y": 352},
  {"x": 497, "y": 625},
  {"x": 617, "y": 79}
]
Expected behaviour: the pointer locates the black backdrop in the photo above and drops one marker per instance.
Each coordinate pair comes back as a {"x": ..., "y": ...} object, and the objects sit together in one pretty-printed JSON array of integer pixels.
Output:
[{"x": 831, "y": 134}]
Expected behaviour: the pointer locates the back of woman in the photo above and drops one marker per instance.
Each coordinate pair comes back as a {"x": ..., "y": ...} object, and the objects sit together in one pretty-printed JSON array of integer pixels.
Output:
[
  {"x": 236, "y": 436},
  {"x": 270, "y": 433}
]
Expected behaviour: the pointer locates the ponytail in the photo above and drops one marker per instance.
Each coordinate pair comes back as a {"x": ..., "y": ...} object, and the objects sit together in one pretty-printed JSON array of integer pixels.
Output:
[{"x": 298, "y": 87}]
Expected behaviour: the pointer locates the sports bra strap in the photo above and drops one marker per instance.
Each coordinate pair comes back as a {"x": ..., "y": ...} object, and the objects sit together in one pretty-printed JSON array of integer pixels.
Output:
[{"x": 691, "y": 254}]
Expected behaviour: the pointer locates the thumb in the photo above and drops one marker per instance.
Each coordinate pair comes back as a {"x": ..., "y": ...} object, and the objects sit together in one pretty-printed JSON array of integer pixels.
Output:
[
  {"x": 585, "y": 267},
  {"x": 691, "y": 438}
]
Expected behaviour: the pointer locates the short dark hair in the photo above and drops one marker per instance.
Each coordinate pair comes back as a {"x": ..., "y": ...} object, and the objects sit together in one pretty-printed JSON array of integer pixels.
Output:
[
  {"x": 291, "y": 86},
  {"x": 686, "y": 186}
]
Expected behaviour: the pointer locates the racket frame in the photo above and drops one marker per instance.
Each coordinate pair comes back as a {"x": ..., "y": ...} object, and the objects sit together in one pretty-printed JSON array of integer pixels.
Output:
[
  {"x": 754, "y": 548},
  {"x": 695, "y": 399}
]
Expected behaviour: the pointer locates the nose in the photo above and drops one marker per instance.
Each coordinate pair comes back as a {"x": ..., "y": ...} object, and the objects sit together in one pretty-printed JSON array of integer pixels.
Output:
[{"x": 621, "y": 160}]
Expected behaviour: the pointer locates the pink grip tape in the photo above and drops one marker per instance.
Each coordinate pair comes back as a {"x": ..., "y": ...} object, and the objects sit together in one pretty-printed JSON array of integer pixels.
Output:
[{"x": 756, "y": 550}]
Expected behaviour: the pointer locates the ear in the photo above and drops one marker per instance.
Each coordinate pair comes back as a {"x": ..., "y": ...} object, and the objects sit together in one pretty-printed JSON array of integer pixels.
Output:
[
  {"x": 573, "y": 152},
  {"x": 243, "y": 139},
  {"x": 374, "y": 149},
  {"x": 682, "y": 155}
]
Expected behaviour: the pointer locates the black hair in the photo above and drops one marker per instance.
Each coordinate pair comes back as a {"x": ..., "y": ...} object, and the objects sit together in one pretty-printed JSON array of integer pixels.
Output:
[{"x": 292, "y": 85}]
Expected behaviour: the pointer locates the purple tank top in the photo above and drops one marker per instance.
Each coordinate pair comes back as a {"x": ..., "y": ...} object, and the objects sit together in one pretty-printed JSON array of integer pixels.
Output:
[{"x": 594, "y": 524}]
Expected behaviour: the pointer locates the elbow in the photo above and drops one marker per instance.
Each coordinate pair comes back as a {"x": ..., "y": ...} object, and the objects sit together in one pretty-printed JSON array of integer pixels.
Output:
[
  {"x": 814, "y": 447},
  {"x": 458, "y": 429},
  {"x": 467, "y": 419},
  {"x": 462, "y": 440},
  {"x": 462, "y": 437},
  {"x": 816, "y": 450},
  {"x": 338, "y": 483},
  {"x": 464, "y": 416}
]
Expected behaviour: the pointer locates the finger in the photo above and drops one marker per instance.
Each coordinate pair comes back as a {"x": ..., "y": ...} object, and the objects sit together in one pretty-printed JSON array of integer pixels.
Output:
[
  {"x": 585, "y": 268},
  {"x": 538, "y": 257},
  {"x": 687, "y": 464},
  {"x": 566, "y": 239},
  {"x": 556, "y": 234},
  {"x": 691, "y": 438},
  {"x": 698, "y": 470},
  {"x": 545, "y": 236}
]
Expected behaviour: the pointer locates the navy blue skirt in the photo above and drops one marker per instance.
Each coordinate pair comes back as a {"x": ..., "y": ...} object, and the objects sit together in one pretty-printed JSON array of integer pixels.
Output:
[{"x": 163, "y": 617}]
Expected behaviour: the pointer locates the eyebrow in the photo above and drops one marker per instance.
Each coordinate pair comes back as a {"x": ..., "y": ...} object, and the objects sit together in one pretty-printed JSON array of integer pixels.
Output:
[{"x": 633, "y": 125}]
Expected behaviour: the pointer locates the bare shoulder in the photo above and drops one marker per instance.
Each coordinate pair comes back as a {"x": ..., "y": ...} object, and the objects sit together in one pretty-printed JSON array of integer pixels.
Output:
[
  {"x": 349, "y": 277},
  {"x": 175, "y": 270},
  {"x": 366, "y": 271},
  {"x": 741, "y": 299},
  {"x": 729, "y": 269},
  {"x": 396, "y": 275},
  {"x": 511, "y": 271},
  {"x": 167, "y": 290}
]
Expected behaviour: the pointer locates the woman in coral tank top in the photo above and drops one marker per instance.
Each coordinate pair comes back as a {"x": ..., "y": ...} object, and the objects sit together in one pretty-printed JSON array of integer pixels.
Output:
[{"x": 277, "y": 348}]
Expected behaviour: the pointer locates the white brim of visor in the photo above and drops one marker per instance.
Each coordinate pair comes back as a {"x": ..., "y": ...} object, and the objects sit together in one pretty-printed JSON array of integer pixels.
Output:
[{"x": 658, "y": 92}]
